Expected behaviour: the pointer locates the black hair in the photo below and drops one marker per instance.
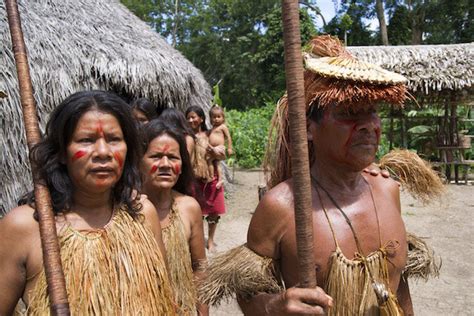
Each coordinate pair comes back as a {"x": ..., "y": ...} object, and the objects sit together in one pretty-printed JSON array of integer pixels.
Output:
[
  {"x": 315, "y": 112},
  {"x": 199, "y": 111},
  {"x": 147, "y": 107},
  {"x": 159, "y": 127},
  {"x": 48, "y": 153},
  {"x": 176, "y": 118}
]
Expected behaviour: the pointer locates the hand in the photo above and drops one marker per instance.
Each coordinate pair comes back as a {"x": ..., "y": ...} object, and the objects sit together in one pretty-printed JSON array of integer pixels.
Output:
[
  {"x": 217, "y": 152},
  {"x": 298, "y": 301},
  {"x": 374, "y": 170},
  {"x": 230, "y": 151}
]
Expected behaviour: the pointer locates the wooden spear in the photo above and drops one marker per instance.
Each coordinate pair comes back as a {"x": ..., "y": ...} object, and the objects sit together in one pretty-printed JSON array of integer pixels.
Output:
[
  {"x": 49, "y": 240},
  {"x": 299, "y": 145}
]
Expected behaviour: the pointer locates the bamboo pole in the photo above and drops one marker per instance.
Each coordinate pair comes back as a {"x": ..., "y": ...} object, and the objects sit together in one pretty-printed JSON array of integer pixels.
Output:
[
  {"x": 49, "y": 240},
  {"x": 299, "y": 145}
]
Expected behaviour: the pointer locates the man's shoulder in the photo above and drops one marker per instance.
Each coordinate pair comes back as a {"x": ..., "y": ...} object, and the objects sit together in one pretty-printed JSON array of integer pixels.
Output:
[
  {"x": 280, "y": 196},
  {"x": 382, "y": 183}
]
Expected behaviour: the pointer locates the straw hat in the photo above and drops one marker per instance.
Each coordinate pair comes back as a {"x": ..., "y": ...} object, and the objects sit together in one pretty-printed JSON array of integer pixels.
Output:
[{"x": 334, "y": 76}]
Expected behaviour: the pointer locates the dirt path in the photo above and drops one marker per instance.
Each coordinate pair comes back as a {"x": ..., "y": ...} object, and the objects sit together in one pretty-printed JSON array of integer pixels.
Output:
[{"x": 447, "y": 225}]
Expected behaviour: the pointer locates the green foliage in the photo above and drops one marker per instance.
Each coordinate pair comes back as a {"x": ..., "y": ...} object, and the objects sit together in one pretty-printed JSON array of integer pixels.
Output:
[
  {"x": 216, "y": 98},
  {"x": 351, "y": 18},
  {"x": 399, "y": 27},
  {"x": 249, "y": 132}
]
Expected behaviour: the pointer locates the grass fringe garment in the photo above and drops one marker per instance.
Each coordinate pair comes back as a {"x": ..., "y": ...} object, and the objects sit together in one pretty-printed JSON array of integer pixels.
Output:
[
  {"x": 350, "y": 285},
  {"x": 116, "y": 270},
  {"x": 242, "y": 272},
  {"x": 239, "y": 271},
  {"x": 180, "y": 263}
]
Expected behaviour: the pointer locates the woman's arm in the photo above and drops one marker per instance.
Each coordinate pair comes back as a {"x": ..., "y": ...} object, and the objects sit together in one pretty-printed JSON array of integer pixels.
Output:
[
  {"x": 16, "y": 230},
  {"x": 196, "y": 245}
]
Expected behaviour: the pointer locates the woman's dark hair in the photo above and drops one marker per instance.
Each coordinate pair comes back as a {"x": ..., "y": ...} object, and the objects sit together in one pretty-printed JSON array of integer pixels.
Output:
[
  {"x": 145, "y": 106},
  {"x": 159, "y": 127},
  {"x": 176, "y": 118},
  {"x": 48, "y": 154},
  {"x": 200, "y": 113}
]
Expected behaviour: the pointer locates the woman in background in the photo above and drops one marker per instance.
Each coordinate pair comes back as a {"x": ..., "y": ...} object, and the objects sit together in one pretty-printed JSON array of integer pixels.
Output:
[
  {"x": 209, "y": 196},
  {"x": 167, "y": 173}
]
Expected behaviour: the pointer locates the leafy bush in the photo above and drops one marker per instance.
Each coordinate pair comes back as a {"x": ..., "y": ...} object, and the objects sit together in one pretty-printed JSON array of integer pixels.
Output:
[{"x": 249, "y": 132}]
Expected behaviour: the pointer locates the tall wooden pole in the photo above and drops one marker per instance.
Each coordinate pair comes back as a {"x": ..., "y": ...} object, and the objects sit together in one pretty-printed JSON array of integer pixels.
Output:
[
  {"x": 49, "y": 240},
  {"x": 299, "y": 144}
]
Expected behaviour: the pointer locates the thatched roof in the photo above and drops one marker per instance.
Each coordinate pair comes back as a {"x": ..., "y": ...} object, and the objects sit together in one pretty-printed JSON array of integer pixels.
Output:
[
  {"x": 429, "y": 68},
  {"x": 84, "y": 44}
]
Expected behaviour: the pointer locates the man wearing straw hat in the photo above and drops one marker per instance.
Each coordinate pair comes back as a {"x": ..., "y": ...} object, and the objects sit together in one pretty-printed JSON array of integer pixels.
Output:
[{"x": 360, "y": 242}]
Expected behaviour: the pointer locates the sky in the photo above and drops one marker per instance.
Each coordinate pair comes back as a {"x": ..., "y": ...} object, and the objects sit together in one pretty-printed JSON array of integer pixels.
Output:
[{"x": 327, "y": 10}]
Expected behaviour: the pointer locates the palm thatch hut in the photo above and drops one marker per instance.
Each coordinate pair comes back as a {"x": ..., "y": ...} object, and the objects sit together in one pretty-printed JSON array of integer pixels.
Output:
[
  {"x": 429, "y": 68},
  {"x": 84, "y": 44},
  {"x": 441, "y": 77}
]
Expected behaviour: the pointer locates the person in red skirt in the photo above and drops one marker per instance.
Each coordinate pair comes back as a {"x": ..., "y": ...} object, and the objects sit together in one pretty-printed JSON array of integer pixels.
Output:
[{"x": 210, "y": 198}]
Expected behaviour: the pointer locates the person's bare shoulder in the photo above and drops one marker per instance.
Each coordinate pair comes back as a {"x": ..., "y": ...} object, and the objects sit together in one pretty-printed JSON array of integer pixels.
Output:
[
  {"x": 150, "y": 213},
  {"x": 269, "y": 222},
  {"x": 383, "y": 184},
  {"x": 387, "y": 189},
  {"x": 19, "y": 231},
  {"x": 19, "y": 220},
  {"x": 187, "y": 206}
]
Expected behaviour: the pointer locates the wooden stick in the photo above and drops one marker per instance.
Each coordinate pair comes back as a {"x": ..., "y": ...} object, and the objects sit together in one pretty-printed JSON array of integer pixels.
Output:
[
  {"x": 299, "y": 145},
  {"x": 49, "y": 240}
]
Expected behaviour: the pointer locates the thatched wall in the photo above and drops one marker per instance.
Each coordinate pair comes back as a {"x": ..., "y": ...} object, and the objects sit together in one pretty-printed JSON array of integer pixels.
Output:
[
  {"x": 429, "y": 68},
  {"x": 84, "y": 44}
]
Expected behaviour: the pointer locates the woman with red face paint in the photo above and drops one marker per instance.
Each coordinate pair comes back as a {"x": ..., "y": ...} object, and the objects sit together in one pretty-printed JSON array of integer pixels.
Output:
[
  {"x": 210, "y": 197},
  {"x": 168, "y": 177},
  {"x": 110, "y": 238}
]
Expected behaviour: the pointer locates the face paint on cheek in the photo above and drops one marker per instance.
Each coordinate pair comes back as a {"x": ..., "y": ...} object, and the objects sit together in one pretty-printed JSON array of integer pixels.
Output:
[
  {"x": 119, "y": 159},
  {"x": 177, "y": 169},
  {"x": 78, "y": 154},
  {"x": 153, "y": 169}
]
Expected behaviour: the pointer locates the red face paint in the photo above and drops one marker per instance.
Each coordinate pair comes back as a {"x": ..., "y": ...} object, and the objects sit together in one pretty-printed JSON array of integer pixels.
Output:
[
  {"x": 177, "y": 169},
  {"x": 153, "y": 169},
  {"x": 119, "y": 159},
  {"x": 99, "y": 129},
  {"x": 78, "y": 154},
  {"x": 166, "y": 147}
]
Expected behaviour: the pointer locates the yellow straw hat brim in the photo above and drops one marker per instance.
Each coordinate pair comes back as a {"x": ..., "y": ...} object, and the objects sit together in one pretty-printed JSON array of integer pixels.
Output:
[{"x": 342, "y": 67}]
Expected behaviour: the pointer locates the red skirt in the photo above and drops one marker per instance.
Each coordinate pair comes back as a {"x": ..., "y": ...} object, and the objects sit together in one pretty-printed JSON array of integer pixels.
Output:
[{"x": 210, "y": 199}]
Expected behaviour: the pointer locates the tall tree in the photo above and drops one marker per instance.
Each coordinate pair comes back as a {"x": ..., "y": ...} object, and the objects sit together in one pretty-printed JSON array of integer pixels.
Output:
[
  {"x": 399, "y": 28},
  {"x": 237, "y": 42},
  {"x": 382, "y": 24}
]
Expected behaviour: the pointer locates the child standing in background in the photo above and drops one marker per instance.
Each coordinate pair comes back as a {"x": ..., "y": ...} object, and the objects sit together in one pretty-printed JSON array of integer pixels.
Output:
[{"x": 218, "y": 136}]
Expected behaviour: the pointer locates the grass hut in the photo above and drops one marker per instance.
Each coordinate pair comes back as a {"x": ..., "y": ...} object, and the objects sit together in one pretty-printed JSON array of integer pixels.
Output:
[
  {"x": 439, "y": 76},
  {"x": 84, "y": 44},
  {"x": 430, "y": 69}
]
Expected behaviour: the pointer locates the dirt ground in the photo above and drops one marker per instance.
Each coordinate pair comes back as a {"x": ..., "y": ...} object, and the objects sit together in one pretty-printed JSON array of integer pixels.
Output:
[{"x": 446, "y": 225}]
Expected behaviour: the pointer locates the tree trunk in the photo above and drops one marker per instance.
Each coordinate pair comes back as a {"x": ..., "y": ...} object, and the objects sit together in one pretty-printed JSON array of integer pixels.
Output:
[
  {"x": 47, "y": 226},
  {"x": 299, "y": 145},
  {"x": 175, "y": 22},
  {"x": 418, "y": 12},
  {"x": 382, "y": 23}
]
